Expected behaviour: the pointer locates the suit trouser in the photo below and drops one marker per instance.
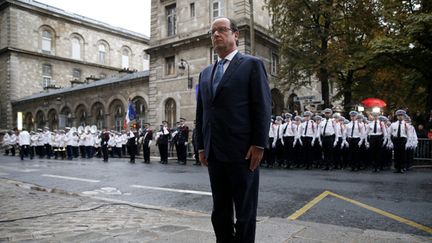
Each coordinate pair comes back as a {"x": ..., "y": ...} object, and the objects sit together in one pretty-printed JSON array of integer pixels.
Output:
[
  {"x": 69, "y": 152},
  {"x": 399, "y": 152},
  {"x": 163, "y": 151},
  {"x": 307, "y": 151},
  {"x": 328, "y": 150},
  {"x": 82, "y": 151},
  {"x": 233, "y": 186},
  {"x": 146, "y": 152},
  {"x": 376, "y": 151},
  {"x": 105, "y": 152},
  {"x": 132, "y": 151},
  {"x": 337, "y": 154},
  {"x": 354, "y": 152},
  {"x": 48, "y": 150}
]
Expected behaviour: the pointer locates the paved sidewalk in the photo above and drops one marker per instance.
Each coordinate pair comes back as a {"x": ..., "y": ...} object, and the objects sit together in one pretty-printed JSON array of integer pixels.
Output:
[{"x": 32, "y": 213}]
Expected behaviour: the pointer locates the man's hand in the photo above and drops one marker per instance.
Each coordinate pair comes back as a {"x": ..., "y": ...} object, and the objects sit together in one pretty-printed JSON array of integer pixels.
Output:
[
  {"x": 202, "y": 158},
  {"x": 255, "y": 155}
]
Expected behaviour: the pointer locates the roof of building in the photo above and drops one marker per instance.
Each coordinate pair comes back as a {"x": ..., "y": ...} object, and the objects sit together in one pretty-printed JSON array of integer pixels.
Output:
[
  {"x": 81, "y": 18},
  {"x": 102, "y": 82}
]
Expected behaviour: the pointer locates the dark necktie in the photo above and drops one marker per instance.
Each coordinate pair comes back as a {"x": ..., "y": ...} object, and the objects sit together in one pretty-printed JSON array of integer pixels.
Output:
[
  {"x": 325, "y": 127},
  {"x": 307, "y": 123},
  {"x": 218, "y": 74},
  {"x": 277, "y": 136},
  {"x": 352, "y": 130},
  {"x": 399, "y": 130},
  {"x": 375, "y": 127}
]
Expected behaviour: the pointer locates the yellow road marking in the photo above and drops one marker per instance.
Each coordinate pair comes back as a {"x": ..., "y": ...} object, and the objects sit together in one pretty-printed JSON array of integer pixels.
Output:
[
  {"x": 308, "y": 206},
  {"x": 320, "y": 197}
]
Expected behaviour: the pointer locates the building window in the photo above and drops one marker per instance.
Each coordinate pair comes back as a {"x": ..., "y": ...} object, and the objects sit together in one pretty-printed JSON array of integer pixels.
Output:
[
  {"x": 171, "y": 19},
  {"x": 213, "y": 56},
  {"x": 125, "y": 58},
  {"x": 169, "y": 65},
  {"x": 218, "y": 8},
  {"x": 76, "y": 74},
  {"x": 146, "y": 61},
  {"x": 102, "y": 54},
  {"x": 76, "y": 48},
  {"x": 46, "y": 75},
  {"x": 274, "y": 64},
  {"x": 170, "y": 112},
  {"x": 46, "y": 41},
  {"x": 192, "y": 10}
]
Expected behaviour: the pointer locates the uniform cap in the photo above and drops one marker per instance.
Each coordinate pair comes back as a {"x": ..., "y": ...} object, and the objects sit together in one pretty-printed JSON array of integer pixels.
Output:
[
  {"x": 39, "y": 129},
  {"x": 297, "y": 118},
  {"x": 400, "y": 113},
  {"x": 353, "y": 113},
  {"x": 288, "y": 115},
  {"x": 67, "y": 128},
  {"x": 307, "y": 113},
  {"x": 317, "y": 118},
  {"x": 360, "y": 117},
  {"x": 327, "y": 110},
  {"x": 279, "y": 118}
]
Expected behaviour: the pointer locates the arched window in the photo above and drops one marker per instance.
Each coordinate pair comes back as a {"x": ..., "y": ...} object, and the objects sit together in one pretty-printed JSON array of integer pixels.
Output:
[
  {"x": 117, "y": 111},
  {"x": 28, "y": 121},
  {"x": 81, "y": 115},
  {"x": 40, "y": 119},
  {"x": 46, "y": 41},
  {"x": 125, "y": 57},
  {"x": 53, "y": 120},
  {"x": 76, "y": 48},
  {"x": 65, "y": 118},
  {"x": 102, "y": 53},
  {"x": 170, "y": 112},
  {"x": 98, "y": 115}
]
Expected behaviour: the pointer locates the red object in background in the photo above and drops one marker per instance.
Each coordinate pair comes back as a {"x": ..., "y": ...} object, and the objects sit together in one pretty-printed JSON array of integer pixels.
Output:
[{"x": 373, "y": 102}]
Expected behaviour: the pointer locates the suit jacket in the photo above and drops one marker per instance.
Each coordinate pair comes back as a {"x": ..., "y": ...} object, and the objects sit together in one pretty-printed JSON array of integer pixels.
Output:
[{"x": 236, "y": 116}]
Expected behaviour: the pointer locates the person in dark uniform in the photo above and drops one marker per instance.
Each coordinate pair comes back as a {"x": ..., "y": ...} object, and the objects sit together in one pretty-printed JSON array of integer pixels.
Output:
[
  {"x": 162, "y": 137},
  {"x": 182, "y": 141},
  {"x": 147, "y": 139},
  {"x": 399, "y": 136},
  {"x": 233, "y": 108},
  {"x": 195, "y": 146},
  {"x": 131, "y": 145},
  {"x": 105, "y": 136}
]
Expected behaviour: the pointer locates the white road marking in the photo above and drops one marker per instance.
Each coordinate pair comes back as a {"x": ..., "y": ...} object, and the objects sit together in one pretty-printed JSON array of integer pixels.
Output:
[
  {"x": 172, "y": 190},
  {"x": 104, "y": 190},
  {"x": 17, "y": 169},
  {"x": 71, "y": 178}
]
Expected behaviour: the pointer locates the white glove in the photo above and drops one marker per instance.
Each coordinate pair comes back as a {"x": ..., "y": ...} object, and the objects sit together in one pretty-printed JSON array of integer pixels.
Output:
[
  {"x": 150, "y": 142},
  {"x": 390, "y": 145},
  {"x": 185, "y": 143},
  {"x": 273, "y": 145},
  {"x": 360, "y": 143},
  {"x": 320, "y": 143},
  {"x": 283, "y": 144},
  {"x": 367, "y": 145},
  {"x": 313, "y": 141},
  {"x": 345, "y": 144},
  {"x": 300, "y": 142},
  {"x": 335, "y": 143}
]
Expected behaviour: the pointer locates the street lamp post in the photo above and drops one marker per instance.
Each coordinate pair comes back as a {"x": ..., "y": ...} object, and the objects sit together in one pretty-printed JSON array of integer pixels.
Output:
[{"x": 183, "y": 67}]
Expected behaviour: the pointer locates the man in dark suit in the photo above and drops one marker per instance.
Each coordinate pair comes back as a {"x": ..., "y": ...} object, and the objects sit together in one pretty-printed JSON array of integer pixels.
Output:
[
  {"x": 182, "y": 141},
  {"x": 233, "y": 110},
  {"x": 147, "y": 137}
]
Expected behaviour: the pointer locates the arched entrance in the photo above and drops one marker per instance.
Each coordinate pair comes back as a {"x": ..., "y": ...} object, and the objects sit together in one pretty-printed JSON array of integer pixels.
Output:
[
  {"x": 277, "y": 102},
  {"x": 81, "y": 115},
  {"x": 98, "y": 115},
  {"x": 170, "y": 112},
  {"x": 65, "y": 118},
  {"x": 117, "y": 111},
  {"x": 53, "y": 120},
  {"x": 293, "y": 104},
  {"x": 140, "y": 108},
  {"x": 28, "y": 121},
  {"x": 40, "y": 119}
]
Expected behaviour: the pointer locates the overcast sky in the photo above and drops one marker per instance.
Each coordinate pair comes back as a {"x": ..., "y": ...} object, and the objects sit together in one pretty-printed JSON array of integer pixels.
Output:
[{"x": 129, "y": 14}]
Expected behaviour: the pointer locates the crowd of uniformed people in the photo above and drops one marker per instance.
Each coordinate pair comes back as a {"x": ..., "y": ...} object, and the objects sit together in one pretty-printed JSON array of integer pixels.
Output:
[
  {"x": 331, "y": 141},
  {"x": 327, "y": 141}
]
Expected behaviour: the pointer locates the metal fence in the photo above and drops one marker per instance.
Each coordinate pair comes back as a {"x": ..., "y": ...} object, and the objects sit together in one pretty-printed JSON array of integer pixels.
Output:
[{"x": 423, "y": 151}]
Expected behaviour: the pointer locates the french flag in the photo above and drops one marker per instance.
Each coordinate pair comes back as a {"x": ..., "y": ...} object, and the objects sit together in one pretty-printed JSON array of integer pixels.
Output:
[{"x": 130, "y": 114}]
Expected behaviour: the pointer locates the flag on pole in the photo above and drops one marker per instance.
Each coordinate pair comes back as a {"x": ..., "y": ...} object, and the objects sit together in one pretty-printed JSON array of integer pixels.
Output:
[{"x": 130, "y": 114}]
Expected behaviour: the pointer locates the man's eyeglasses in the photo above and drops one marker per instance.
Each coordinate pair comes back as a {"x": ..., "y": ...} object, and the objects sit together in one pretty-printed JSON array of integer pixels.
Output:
[{"x": 220, "y": 30}]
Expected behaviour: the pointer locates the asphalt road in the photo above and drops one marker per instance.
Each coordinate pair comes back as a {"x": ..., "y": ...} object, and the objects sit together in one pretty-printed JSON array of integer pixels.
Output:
[{"x": 282, "y": 192}]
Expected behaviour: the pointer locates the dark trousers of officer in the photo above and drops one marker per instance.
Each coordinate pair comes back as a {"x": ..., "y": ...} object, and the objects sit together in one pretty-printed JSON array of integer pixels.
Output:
[
  {"x": 307, "y": 151},
  {"x": 118, "y": 151},
  {"x": 24, "y": 151},
  {"x": 288, "y": 150},
  {"x": 131, "y": 149},
  {"x": 279, "y": 152},
  {"x": 146, "y": 152},
  {"x": 48, "y": 150},
  {"x": 83, "y": 151},
  {"x": 328, "y": 150},
  {"x": 399, "y": 153},
  {"x": 376, "y": 151},
  {"x": 40, "y": 151},
  {"x": 75, "y": 151},
  {"x": 89, "y": 151},
  {"x": 233, "y": 186},
  {"x": 409, "y": 158},
  {"x": 196, "y": 155},
  {"x": 337, "y": 154},
  {"x": 123, "y": 149},
  {"x": 69, "y": 152},
  {"x": 163, "y": 151},
  {"x": 105, "y": 153},
  {"x": 181, "y": 152},
  {"x": 354, "y": 153},
  {"x": 31, "y": 151}
]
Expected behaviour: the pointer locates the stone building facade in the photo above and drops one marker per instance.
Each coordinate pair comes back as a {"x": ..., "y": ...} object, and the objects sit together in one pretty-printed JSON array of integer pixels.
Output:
[{"x": 43, "y": 48}]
